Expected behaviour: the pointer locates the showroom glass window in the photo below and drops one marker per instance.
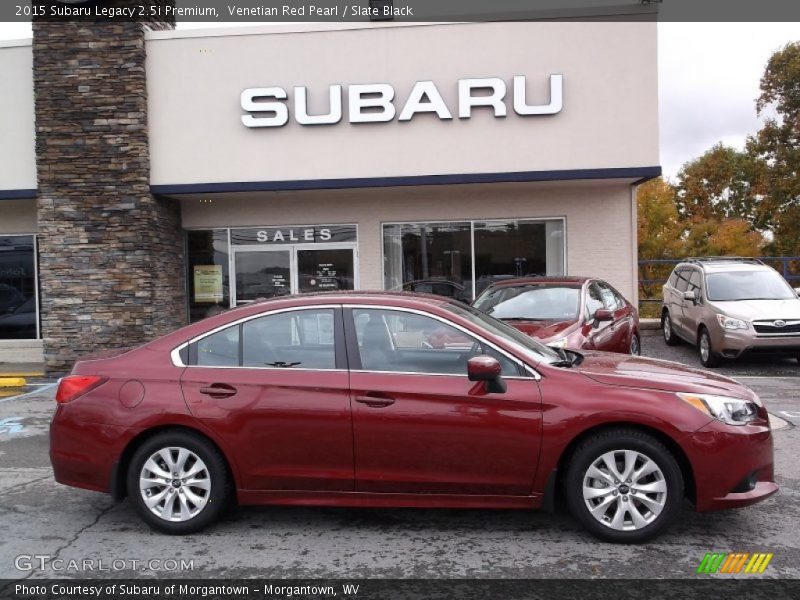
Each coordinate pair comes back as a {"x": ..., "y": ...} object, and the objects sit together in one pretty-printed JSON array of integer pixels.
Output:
[
  {"x": 433, "y": 258},
  {"x": 460, "y": 259},
  {"x": 208, "y": 282},
  {"x": 18, "y": 303}
]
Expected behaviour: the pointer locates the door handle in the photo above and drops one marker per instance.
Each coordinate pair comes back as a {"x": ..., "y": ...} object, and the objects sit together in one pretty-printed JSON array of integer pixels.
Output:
[
  {"x": 218, "y": 390},
  {"x": 375, "y": 401}
]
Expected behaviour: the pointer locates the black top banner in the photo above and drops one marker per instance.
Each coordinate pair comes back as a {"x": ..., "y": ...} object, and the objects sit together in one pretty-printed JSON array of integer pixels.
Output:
[{"x": 259, "y": 11}]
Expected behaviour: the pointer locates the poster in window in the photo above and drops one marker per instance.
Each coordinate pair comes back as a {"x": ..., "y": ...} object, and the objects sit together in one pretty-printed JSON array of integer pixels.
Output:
[{"x": 208, "y": 284}]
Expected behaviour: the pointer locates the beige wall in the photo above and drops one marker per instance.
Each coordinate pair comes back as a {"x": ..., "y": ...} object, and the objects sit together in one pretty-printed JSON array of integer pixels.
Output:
[
  {"x": 609, "y": 119},
  {"x": 18, "y": 216},
  {"x": 598, "y": 217},
  {"x": 17, "y": 130}
]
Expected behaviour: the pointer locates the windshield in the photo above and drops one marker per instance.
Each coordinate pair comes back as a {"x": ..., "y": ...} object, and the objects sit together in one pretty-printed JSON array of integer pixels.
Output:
[
  {"x": 526, "y": 345},
  {"x": 748, "y": 285},
  {"x": 545, "y": 302}
]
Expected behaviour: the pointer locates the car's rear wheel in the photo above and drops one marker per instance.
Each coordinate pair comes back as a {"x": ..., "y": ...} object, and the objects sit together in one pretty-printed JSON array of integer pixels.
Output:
[
  {"x": 666, "y": 328},
  {"x": 624, "y": 486},
  {"x": 636, "y": 345},
  {"x": 708, "y": 356},
  {"x": 178, "y": 482}
]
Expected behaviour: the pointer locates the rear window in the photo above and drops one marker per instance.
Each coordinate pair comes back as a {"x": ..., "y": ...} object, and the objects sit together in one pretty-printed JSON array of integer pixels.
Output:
[{"x": 534, "y": 302}]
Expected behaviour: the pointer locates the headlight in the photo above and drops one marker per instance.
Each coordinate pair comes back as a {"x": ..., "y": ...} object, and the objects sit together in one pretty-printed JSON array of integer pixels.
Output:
[
  {"x": 559, "y": 343},
  {"x": 733, "y": 411},
  {"x": 731, "y": 323}
]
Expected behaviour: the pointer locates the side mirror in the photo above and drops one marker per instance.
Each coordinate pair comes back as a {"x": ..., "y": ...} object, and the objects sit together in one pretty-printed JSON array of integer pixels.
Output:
[
  {"x": 603, "y": 314},
  {"x": 486, "y": 368},
  {"x": 693, "y": 296}
]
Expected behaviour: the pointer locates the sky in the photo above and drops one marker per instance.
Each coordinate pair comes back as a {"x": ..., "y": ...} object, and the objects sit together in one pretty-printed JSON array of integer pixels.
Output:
[{"x": 708, "y": 82}]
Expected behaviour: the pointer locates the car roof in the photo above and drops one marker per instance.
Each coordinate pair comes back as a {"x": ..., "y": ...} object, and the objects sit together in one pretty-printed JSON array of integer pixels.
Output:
[
  {"x": 565, "y": 279},
  {"x": 398, "y": 299},
  {"x": 713, "y": 265}
]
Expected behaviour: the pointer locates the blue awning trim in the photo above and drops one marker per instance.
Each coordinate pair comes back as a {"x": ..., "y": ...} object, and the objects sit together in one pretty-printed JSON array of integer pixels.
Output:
[{"x": 637, "y": 173}]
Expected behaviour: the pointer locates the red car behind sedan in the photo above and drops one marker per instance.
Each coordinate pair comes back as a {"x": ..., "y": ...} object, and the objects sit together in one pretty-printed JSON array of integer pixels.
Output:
[
  {"x": 566, "y": 312},
  {"x": 342, "y": 400}
]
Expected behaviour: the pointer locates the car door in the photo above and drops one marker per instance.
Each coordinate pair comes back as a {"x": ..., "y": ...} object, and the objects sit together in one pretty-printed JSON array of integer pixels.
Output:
[
  {"x": 275, "y": 390},
  {"x": 623, "y": 320},
  {"x": 677, "y": 307},
  {"x": 601, "y": 333},
  {"x": 692, "y": 310},
  {"x": 420, "y": 426}
]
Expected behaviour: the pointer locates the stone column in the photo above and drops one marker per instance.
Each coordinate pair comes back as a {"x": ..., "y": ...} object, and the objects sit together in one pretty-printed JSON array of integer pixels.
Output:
[{"x": 111, "y": 255}]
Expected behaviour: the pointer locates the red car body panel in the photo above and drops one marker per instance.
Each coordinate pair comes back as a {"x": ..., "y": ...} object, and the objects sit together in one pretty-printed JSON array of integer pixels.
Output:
[
  {"x": 299, "y": 437},
  {"x": 581, "y": 334}
]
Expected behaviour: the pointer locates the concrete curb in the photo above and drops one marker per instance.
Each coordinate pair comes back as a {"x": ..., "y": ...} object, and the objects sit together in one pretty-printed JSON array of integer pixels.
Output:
[{"x": 649, "y": 324}]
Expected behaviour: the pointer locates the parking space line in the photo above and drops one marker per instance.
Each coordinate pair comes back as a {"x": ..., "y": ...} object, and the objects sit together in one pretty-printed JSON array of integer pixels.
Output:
[{"x": 44, "y": 388}]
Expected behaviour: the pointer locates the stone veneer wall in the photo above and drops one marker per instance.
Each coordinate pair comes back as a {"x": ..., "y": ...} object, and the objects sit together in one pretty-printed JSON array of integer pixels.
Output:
[{"x": 110, "y": 253}]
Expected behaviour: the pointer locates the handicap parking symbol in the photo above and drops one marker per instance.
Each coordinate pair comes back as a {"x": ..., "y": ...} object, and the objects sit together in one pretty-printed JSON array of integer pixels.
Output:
[{"x": 11, "y": 425}]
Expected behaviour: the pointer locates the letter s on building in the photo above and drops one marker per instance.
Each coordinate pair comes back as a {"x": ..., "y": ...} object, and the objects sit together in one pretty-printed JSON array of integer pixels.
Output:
[{"x": 252, "y": 103}]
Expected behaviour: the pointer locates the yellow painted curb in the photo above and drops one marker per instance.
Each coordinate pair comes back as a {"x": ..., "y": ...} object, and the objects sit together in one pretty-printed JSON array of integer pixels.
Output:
[
  {"x": 20, "y": 374},
  {"x": 9, "y": 393},
  {"x": 12, "y": 382}
]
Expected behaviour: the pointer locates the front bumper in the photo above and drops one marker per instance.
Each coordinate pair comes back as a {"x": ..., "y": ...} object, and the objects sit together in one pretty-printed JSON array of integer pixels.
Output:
[
  {"x": 733, "y": 343},
  {"x": 733, "y": 466}
]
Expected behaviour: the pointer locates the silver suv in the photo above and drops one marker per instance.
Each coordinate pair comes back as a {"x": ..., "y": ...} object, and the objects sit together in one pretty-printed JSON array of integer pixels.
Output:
[{"x": 729, "y": 306}]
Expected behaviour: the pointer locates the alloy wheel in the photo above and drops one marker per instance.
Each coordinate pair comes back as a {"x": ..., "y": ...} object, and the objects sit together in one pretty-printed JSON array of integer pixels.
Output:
[
  {"x": 624, "y": 490},
  {"x": 635, "y": 346},
  {"x": 705, "y": 347},
  {"x": 667, "y": 328},
  {"x": 175, "y": 484}
]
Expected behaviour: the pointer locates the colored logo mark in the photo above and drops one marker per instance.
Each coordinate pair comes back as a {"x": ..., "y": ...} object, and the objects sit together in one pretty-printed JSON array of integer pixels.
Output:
[{"x": 735, "y": 562}]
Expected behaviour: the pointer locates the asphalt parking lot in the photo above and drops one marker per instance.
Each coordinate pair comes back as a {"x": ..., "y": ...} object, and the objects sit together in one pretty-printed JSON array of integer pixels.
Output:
[{"x": 40, "y": 517}]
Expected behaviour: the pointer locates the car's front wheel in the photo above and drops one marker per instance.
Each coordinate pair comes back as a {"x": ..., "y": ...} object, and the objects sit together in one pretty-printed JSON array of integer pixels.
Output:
[
  {"x": 666, "y": 328},
  {"x": 708, "y": 356},
  {"x": 624, "y": 486},
  {"x": 178, "y": 482},
  {"x": 636, "y": 345}
]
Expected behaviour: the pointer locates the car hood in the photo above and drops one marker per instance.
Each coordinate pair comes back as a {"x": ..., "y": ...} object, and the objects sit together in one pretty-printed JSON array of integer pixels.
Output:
[
  {"x": 639, "y": 372},
  {"x": 757, "y": 310},
  {"x": 542, "y": 329}
]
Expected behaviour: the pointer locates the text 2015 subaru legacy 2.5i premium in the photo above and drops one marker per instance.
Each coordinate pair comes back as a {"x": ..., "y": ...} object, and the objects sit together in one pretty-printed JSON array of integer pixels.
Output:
[{"x": 342, "y": 400}]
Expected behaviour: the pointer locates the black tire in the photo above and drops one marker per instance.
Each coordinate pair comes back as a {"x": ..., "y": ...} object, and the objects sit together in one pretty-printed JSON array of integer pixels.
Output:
[
  {"x": 635, "y": 348},
  {"x": 710, "y": 359},
  {"x": 217, "y": 499},
  {"x": 624, "y": 439},
  {"x": 667, "y": 330}
]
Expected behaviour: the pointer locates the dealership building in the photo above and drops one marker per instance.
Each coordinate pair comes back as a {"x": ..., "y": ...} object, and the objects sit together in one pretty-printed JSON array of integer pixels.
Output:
[{"x": 152, "y": 177}]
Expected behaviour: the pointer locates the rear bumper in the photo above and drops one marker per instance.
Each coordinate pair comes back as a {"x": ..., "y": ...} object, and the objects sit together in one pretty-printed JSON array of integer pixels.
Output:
[
  {"x": 733, "y": 466},
  {"x": 84, "y": 455}
]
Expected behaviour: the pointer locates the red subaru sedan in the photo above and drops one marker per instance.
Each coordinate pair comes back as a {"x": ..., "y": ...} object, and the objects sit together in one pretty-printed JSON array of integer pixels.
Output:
[
  {"x": 566, "y": 312},
  {"x": 342, "y": 400}
]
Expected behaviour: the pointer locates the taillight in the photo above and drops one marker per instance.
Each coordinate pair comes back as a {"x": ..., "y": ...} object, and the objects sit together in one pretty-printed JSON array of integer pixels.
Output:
[{"x": 74, "y": 386}]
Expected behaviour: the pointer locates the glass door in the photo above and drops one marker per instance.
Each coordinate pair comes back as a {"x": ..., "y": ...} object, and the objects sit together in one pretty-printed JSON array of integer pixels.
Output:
[
  {"x": 325, "y": 269},
  {"x": 262, "y": 274}
]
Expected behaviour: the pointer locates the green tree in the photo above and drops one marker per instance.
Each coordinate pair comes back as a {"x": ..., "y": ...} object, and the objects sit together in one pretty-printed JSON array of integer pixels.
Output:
[
  {"x": 721, "y": 184},
  {"x": 659, "y": 228},
  {"x": 777, "y": 145}
]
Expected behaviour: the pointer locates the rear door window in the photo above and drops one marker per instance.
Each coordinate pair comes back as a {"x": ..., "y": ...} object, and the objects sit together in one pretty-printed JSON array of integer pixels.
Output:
[{"x": 683, "y": 280}]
